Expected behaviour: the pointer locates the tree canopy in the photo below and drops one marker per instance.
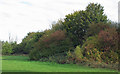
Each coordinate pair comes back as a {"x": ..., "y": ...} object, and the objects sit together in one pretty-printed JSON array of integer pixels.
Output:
[{"x": 76, "y": 24}]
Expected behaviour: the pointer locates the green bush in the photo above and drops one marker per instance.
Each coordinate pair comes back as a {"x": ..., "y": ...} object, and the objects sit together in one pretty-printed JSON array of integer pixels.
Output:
[
  {"x": 78, "y": 52},
  {"x": 51, "y": 44},
  {"x": 91, "y": 50},
  {"x": 58, "y": 58},
  {"x": 69, "y": 54},
  {"x": 90, "y": 43},
  {"x": 28, "y": 43},
  {"x": 7, "y": 48},
  {"x": 35, "y": 55}
]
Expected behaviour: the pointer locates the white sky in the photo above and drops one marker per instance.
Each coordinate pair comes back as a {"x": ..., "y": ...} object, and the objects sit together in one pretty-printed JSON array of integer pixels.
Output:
[{"x": 18, "y": 17}]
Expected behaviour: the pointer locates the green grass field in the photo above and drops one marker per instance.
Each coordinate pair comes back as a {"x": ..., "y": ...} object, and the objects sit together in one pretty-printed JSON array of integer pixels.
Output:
[{"x": 22, "y": 64}]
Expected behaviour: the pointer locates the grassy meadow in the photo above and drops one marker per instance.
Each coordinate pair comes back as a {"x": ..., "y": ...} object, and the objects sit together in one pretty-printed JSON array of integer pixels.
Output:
[{"x": 22, "y": 64}]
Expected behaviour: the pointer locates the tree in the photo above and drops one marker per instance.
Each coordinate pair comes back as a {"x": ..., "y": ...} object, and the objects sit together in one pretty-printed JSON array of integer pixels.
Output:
[
  {"x": 6, "y": 48},
  {"x": 96, "y": 13},
  {"x": 58, "y": 25},
  {"x": 76, "y": 24},
  {"x": 28, "y": 42}
]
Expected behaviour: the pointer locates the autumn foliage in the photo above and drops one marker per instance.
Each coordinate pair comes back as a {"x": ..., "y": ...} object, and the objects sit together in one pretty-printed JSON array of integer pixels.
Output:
[
  {"x": 51, "y": 44},
  {"x": 108, "y": 39}
]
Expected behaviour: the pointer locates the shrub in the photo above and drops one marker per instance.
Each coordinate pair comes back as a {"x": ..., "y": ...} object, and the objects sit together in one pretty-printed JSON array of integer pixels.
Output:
[
  {"x": 90, "y": 43},
  {"x": 91, "y": 50},
  {"x": 58, "y": 58},
  {"x": 94, "y": 55},
  {"x": 53, "y": 43},
  {"x": 69, "y": 54},
  {"x": 108, "y": 39},
  {"x": 95, "y": 28},
  {"x": 103, "y": 47},
  {"x": 7, "y": 48},
  {"x": 78, "y": 52},
  {"x": 108, "y": 43},
  {"x": 27, "y": 43},
  {"x": 18, "y": 49},
  {"x": 110, "y": 57},
  {"x": 35, "y": 55}
]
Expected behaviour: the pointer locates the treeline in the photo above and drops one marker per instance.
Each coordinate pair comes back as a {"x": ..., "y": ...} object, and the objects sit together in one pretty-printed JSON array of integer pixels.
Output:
[{"x": 85, "y": 37}]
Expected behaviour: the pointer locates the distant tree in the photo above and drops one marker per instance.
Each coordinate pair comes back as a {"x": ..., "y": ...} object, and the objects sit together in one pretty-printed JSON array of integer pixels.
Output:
[
  {"x": 28, "y": 42},
  {"x": 58, "y": 25},
  {"x": 7, "y": 48}
]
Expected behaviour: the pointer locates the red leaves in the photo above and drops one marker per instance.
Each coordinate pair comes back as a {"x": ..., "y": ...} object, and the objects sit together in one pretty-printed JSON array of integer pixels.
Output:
[
  {"x": 108, "y": 38},
  {"x": 52, "y": 38},
  {"x": 58, "y": 35}
]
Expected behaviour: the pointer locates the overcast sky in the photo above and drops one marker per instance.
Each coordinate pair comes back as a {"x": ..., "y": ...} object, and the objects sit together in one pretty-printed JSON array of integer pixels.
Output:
[{"x": 18, "y": 17}]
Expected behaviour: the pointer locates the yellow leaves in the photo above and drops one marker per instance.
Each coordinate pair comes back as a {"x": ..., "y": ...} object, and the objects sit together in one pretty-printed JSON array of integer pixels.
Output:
[
  {"x": 69, "y": 54},
  {"x": 78, "y": 52},
  {"x": 88, "y": 53}
]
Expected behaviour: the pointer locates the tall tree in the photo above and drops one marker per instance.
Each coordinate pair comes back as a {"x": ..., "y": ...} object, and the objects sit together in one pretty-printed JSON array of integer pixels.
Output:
[
  {"x": 76, "y": 24},
  {"x": 96, "y": 13}
]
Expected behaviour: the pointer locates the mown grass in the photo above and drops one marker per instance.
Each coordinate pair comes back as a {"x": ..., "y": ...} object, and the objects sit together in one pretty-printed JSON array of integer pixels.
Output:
[{"x": 22, "y": 64}]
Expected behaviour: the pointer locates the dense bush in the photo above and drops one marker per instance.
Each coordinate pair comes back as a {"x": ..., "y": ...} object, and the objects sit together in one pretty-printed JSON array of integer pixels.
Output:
[
  {"x": 108, "y": 43},
  {"x": 51, "y": 44},
  {"x": 27, "y": 43},
  {"x": 103, "y": 47},
  {"x": 18, "y": 49},
  {"x": 95, "y": 28},
  {"x": 108, "y": 39},
  {"x": 78, "y": 52},
  {"x": 7, "y": 48},
  {"x": 90, "y": 43},
  {"x": 90, "y": 49}
]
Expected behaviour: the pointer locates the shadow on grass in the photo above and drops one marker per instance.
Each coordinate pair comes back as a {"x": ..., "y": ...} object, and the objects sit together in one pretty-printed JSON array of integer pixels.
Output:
[{"x": 60, "y": 73}]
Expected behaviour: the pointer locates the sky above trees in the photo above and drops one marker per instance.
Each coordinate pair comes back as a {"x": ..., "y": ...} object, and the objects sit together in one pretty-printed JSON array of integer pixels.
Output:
[{"x": 18, "y": 17}]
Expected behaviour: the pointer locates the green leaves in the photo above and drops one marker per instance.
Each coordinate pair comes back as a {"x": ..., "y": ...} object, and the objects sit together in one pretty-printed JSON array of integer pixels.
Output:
[
  {"x": 96, "y": 12},
  {"x": 55, "y": 43},
  {"x": 77, "y": 23},
  {"x": 7, "y": 48}
]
